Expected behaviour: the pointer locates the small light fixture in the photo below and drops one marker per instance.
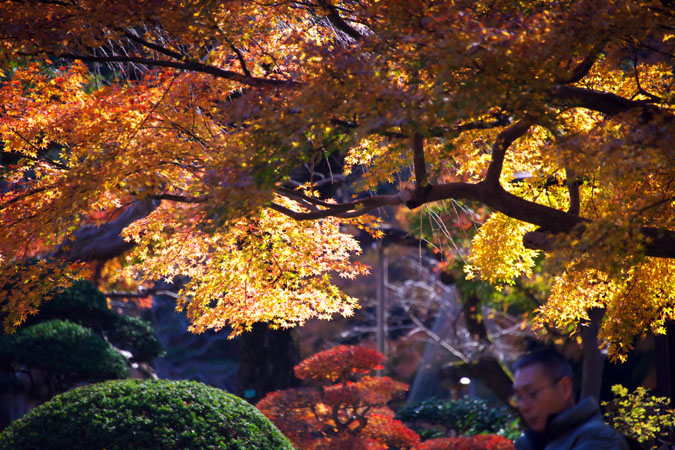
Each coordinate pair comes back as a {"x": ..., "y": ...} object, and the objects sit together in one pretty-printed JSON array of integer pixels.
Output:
[{"x": 465, "y": 380}]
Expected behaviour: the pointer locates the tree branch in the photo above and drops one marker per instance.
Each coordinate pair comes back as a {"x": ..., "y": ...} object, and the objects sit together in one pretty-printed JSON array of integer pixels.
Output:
[
  {"x": 585, "y": 66},
  {"x": 502, "y": 143},
  {"x": 156, "y": 47},
  {"x": 573, "y": 189},
  {"x": 604, "y": 102},
  {"x": 103, "y": 242},
  {"x": 141, "y": 293},
  {"x": 242, "y": 62},
  {"x": 179, "y": 198},
  {"x": 419, "y": 164},
  {"x": 338, "y": 22},
  {"x": 659, "y": 242},
  {"x": 185, "y": 65},
  {"x": 345, "y": 210}
]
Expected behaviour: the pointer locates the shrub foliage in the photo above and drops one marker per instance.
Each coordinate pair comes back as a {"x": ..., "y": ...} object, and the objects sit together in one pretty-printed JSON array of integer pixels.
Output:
[
  {"x": 649, "y": 420},
  {"x": 150, "y": 414},
  {"x": 65, "y": 352},
  {"x": 435, "y": 418},
  {"x": 344, "y": 408}
]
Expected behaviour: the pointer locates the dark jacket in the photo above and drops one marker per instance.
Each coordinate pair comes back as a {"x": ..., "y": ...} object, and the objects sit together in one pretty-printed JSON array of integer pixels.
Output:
[{"x": 578, "y": 428}]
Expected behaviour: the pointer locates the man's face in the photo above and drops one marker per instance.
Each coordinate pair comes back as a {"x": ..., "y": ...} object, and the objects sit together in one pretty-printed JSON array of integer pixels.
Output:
[{"x": 540, "y": 396}]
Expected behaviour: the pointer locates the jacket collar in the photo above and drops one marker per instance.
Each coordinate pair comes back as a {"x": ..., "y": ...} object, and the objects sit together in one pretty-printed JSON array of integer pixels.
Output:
[
  {"x": 561, "y": 423},
  {"x": 571, "y": 418}
]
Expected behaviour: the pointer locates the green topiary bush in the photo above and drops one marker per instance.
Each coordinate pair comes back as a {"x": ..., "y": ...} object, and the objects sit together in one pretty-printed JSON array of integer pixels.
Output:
[
  {"x": 150, "y": 414},
  {"x": 435, "y": 418},
  {"x": 84, "y": 304},
  {"x": 68, "y": 353}
]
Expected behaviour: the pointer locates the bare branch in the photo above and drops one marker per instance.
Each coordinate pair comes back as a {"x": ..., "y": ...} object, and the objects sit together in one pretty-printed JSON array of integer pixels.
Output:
[{"x": 435, "y": 337}]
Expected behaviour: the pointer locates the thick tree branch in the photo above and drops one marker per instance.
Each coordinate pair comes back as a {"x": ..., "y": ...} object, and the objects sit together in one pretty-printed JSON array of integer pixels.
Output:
[
  {"x": 573, "y": 189},
  {"x": 338, "y": 22},
  {"x": 502, "y": 143},
  {"x": 346, "y": 210},
  {"x": 604, "y": 102},
  {"x": 500, "y": 121},
  {"x": 419, "y": 163},
  {"x": 179, "y": 198},
  {"x": 242, "y": 61},
  {"x": 585, "y": 66},
  {"x": 103, "y": 242},
  {"x": 185, "y": 65},
  {"x": 659, "y": 242}
]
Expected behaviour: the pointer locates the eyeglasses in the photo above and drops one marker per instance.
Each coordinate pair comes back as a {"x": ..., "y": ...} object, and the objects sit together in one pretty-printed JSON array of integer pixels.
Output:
[{"x": 530, "y": 395}]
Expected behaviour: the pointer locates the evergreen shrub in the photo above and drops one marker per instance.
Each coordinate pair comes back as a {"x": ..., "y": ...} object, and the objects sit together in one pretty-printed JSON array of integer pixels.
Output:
[
  {"x": 144, "y": 414},
  {"x": 66, "y": 351},
  {"x": 434, "y": 418}
]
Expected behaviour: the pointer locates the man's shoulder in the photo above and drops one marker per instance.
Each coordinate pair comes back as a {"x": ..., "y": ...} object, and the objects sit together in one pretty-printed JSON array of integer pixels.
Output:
[
  {"x": 597, "y": 435},
  {"x": 592, "y": 433},
  {"x": 579, "y": 428}
]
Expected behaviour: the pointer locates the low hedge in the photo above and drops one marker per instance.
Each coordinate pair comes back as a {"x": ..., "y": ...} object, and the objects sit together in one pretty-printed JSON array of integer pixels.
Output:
[{"x": 135, "y": 414}]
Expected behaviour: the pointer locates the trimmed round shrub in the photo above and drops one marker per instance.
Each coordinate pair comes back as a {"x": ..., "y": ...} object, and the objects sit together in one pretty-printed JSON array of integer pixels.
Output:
[
  {"x": 67, "y": 351},
  {"x": 84, "y": 304},
  {"x": 134, "y": 335},
  {"x": 434, "y": 418},
  {"x": 149, "y": 414}
]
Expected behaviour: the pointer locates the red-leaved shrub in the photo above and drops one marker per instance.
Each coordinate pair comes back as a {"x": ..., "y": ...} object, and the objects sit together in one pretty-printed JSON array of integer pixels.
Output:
[
  {"x": 479, "y": 442},
  {"x": 344, "y": 408}
]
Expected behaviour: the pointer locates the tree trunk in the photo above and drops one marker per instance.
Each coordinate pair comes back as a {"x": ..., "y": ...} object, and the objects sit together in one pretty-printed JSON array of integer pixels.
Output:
[
  {"x": 493, "y": 374},
  {"x": 593, "y": 359},
  {"x": 266, "y": 361},
  {"x": 664, "y": 356}
]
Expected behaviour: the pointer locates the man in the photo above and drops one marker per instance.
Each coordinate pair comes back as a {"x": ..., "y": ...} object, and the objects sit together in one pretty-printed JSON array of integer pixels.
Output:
[{"x": 544, "y": 392}]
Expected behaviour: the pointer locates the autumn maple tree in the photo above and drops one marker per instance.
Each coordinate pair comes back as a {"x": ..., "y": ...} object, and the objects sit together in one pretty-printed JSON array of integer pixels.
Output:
[
  {"x": 179, "y": 125},
  {"x": 342, "y": 406}
]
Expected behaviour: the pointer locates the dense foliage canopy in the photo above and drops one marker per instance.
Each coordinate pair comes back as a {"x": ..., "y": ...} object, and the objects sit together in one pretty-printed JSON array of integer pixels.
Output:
[
  {"x": 134, "y": 414},
  {"x": 181, "y": 122}
]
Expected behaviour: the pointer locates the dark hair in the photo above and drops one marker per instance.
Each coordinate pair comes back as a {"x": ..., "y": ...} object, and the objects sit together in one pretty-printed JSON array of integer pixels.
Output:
[{"x": 552, "y": 361}]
